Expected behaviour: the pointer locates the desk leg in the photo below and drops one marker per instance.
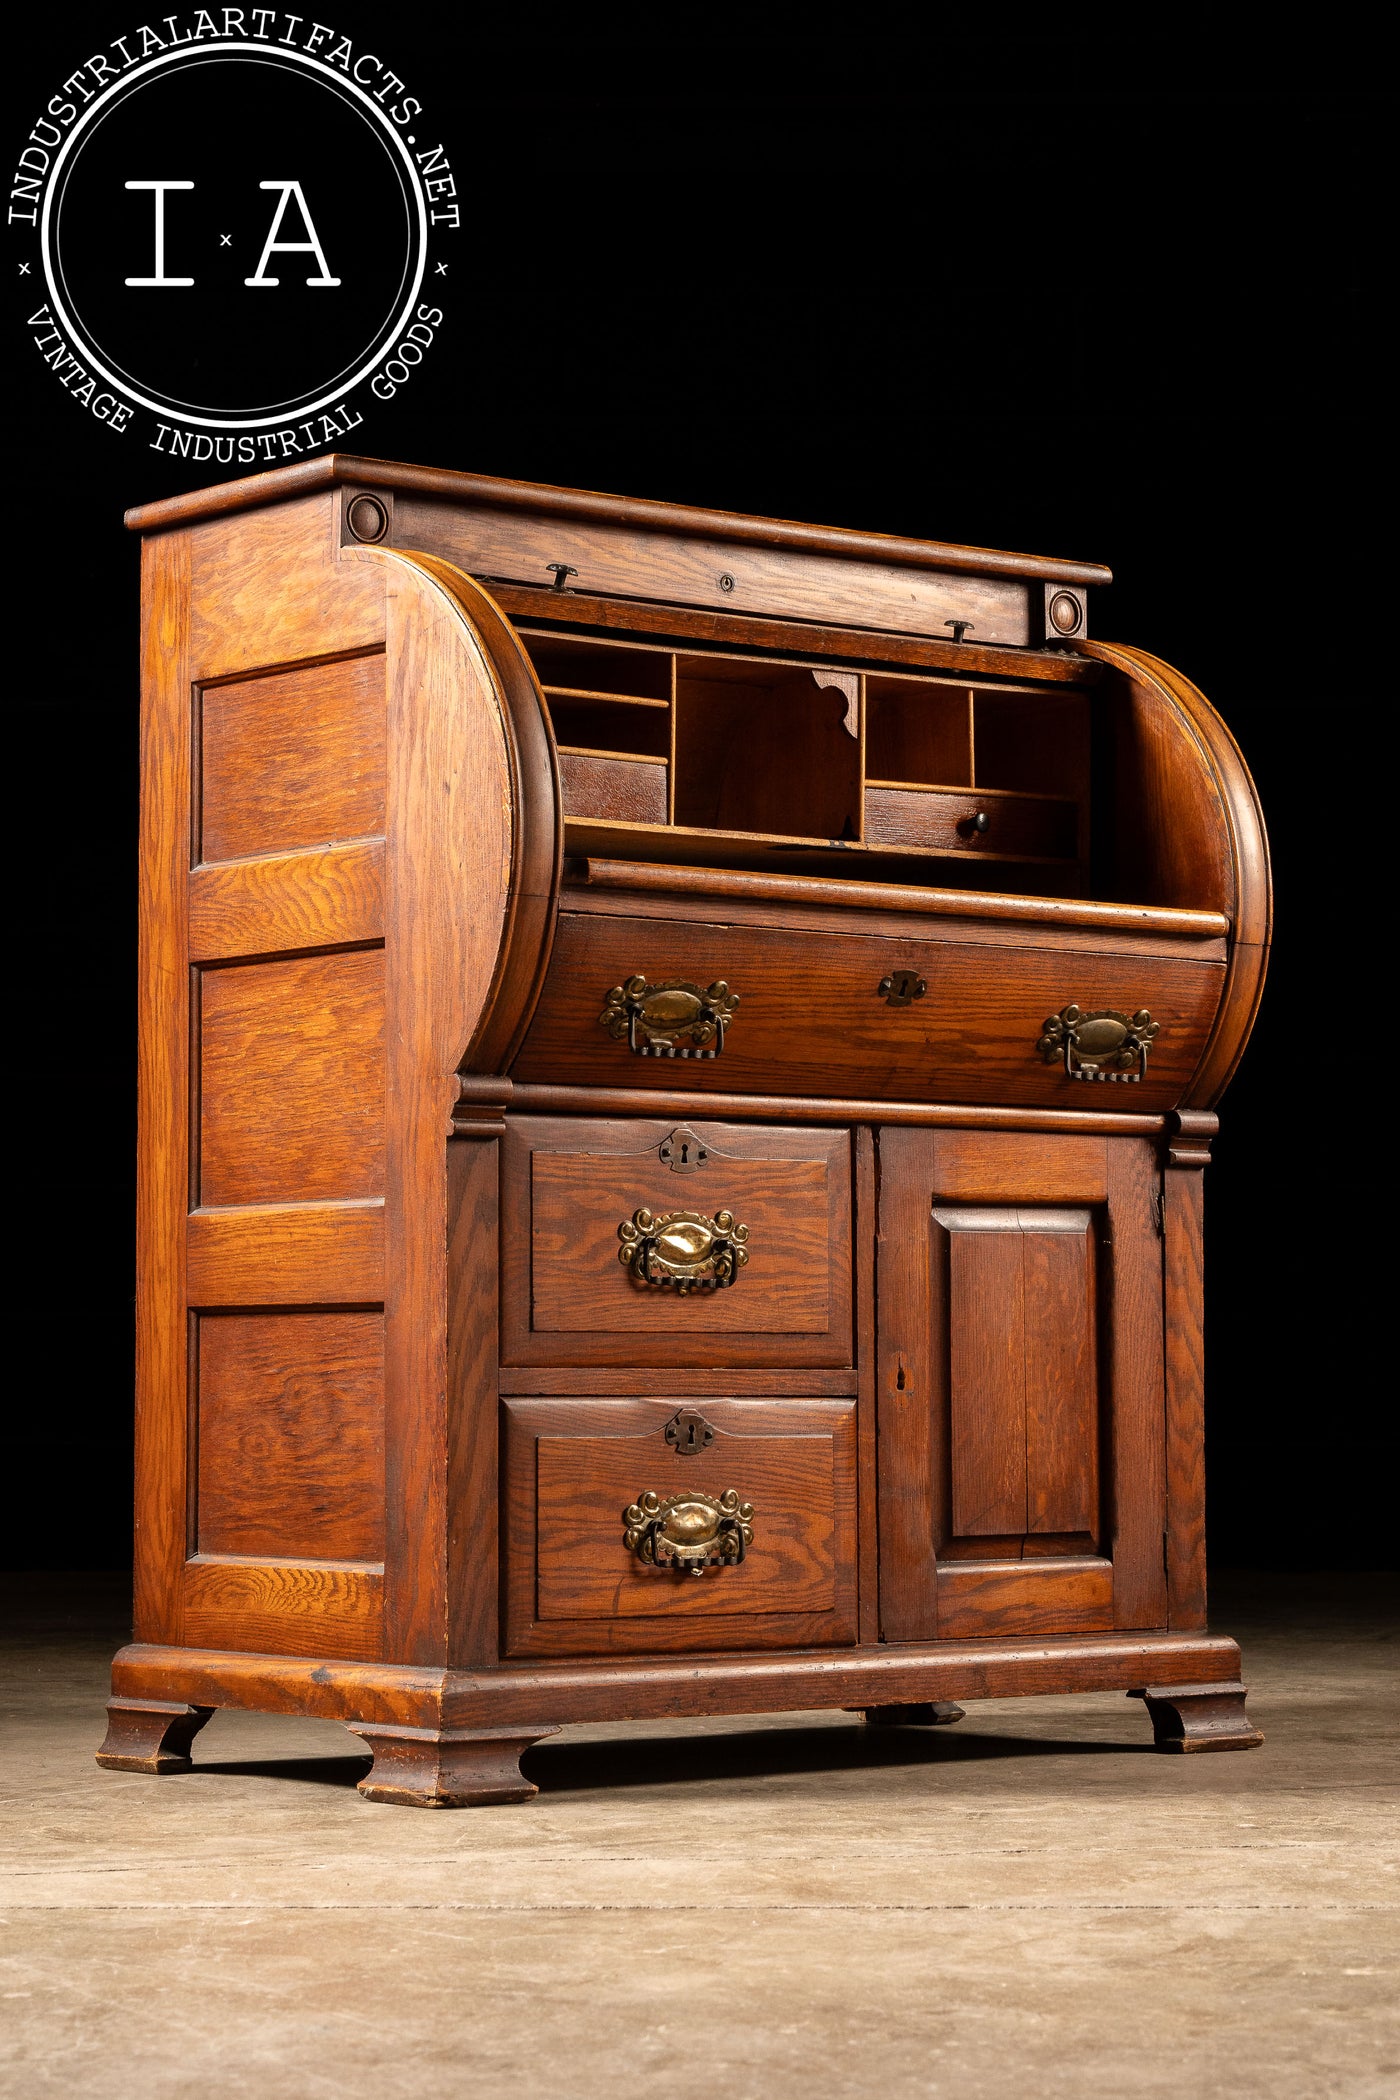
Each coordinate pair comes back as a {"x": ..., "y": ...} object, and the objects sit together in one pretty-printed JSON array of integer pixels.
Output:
[
  {"x": 1199, "y": 1716},
  {"x": 150, "y": 1735},
  {"x": 447, "y": 1768}
]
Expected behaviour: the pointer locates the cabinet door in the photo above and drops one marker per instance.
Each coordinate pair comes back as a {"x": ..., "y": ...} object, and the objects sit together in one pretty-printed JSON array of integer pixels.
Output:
[{"x": 1021, "y": 1385}]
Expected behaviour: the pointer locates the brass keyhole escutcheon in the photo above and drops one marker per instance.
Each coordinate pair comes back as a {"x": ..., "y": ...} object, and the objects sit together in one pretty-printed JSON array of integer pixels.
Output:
[{"x": 901, "y": 987}]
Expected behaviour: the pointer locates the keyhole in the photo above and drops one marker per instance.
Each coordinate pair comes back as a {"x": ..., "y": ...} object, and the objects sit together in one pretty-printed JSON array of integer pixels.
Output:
[
  {"x": 900, "y": 1379},
  {"x": 685, "y": 1153}
]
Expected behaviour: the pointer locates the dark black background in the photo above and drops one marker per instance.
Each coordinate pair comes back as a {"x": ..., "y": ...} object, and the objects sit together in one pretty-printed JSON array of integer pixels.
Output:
[{"x": 1080, "y": 291}]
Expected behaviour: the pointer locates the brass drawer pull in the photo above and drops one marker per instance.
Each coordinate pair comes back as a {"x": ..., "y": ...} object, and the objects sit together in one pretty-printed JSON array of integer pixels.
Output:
[
  {"x": 683, "y": 1250},
  {"x": 675, "y": 1019},
  {"x": 689, "y": 1532},
  {"x": 1104, "y": 1045}
]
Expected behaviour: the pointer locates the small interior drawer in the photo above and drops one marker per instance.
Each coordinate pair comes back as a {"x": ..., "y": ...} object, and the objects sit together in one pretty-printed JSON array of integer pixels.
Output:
[
  {"x": 631, "y": 789},
  {"x": 782, "y": 1472},
  {"x": 772, "y": 1287},
  {"x": 971, "y": 820}
]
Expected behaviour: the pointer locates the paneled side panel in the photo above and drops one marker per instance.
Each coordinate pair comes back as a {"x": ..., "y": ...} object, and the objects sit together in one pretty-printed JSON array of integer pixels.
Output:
[
  {"x": 987, "y": 1372},
  {"x": 1062, "y": 1493},
  {"x": 291, "y": 1435},
  {"x": 291, "y": 1080},
  {"x": 292, "y": 759}
]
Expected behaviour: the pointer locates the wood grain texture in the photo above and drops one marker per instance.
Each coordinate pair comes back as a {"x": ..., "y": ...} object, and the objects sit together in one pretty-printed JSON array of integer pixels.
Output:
[
  {"x": 446, "y": 1768},
  {"x": 1019, "y": 1598},
  {"x": 568, "y": 1299},
  {"x": 599, "y": 784},
  {"x": 1060, "y": 1272},
  {"x": 284, "y": 485},
  {"x": 1186, "y": 821},
  {"x": 282, "y": 1044},
  {"x": 453, "y": 782},
  {"x": 824, "y": 896},
  {"x": 597, "y": 1690},
  {"x": 1032, "y": 827},
  {"x": 812, "y": 1019},
  {"x": 1184, "y": 1340},
  {"x": 849, "y": 644},
  {"x": 627, "y": 559},
  {"x": 678, "y": 1104},
  {"x": 473, "y": 1470},
  {"x": 287, "y": 1254},
  {"x": 284, "y": 1607},
  {"x": 269, "y": 591},
  {"x": 1022, "y": 1378},
  {"x": 571, "y": 1468},
  {"x": 162, "y": 1163},
  {"x": 1133, "y": 1313},
  {"x": 866, "y": 1231},
  {"x": 330, "y": 897},
  {"x": 987, "y": 1368},
  {"x": 987, "y": 1372},
  {"x": 291, "y": 1435},
  {"x": 522, "y": 919},
  {"x": 292, "y": 759}
]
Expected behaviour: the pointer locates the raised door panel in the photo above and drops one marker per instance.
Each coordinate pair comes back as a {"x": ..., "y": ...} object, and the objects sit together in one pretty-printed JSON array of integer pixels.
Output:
[
  {"x": 1021, "y": 1406},
  {"x": 577, "y": 1194},
  {"x": 576, "y": 1473}
]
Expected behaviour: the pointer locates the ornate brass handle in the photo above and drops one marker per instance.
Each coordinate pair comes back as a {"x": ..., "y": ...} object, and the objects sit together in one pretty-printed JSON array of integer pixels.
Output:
[
  {"x": 683, "y": 1250},
  {"x": 688, "y": 1532},
  {"x": 1104, "y": 1045},
  {"x": 675, "y": 1019}
]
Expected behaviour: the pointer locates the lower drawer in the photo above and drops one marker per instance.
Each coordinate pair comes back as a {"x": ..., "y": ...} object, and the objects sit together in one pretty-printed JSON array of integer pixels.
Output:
[{"x": 655, "y": 1525}]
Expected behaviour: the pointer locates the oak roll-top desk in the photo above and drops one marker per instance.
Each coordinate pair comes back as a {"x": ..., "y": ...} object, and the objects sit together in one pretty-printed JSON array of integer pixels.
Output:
[{"x": 677, "y": 1054}]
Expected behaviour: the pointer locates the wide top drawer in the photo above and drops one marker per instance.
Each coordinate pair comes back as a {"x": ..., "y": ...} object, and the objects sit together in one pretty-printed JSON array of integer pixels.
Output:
[{"x": 951, "y": 1012}]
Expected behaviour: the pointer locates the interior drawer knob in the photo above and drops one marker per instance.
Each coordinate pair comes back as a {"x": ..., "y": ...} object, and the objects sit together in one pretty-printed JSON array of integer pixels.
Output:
[
  {"x": 688, "y": 1532},
  {"x": 675, "y": 1019},
  {"x": 683, "y": 1250},
  {"x": 1105, "y": 1045}
]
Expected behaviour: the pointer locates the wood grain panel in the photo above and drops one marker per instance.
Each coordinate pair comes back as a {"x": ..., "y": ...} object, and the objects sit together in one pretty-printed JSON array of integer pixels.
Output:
[
  {"x": 331, "y": 897},
  {"x": 291, "y": 1435},
  {"x": 294, "y": 758},
  {"x": 163, "y": 1079},
  {"x": 283, "y": 1607},
  {"x": 812, "y": 1020},
  {"x": 292, "y": 1080},
  {"x": 980, "y": 1599},
  {"x": 1018, "y": 826},
  {"x": 568, "y": 1299},
  {"x": 1061, "y": 1380},
  {"x": 573, "y": 1466},
  {"x": 597, "y": 785},
  {"x": 585, "y": 1571},
  {"x": 1082, "y": 1271},
  {"x": 580, "y": 1286},
  {"x": 636, "y": 563},
  {"x": 987, "y": 1372},
  {"x": 287, "y": 1254},
  {"x": 268, "y": 588}
]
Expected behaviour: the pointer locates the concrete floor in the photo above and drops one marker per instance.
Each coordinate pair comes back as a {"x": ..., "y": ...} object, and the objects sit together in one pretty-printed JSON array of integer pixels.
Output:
[{"x": 1030, "y": 1903}]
